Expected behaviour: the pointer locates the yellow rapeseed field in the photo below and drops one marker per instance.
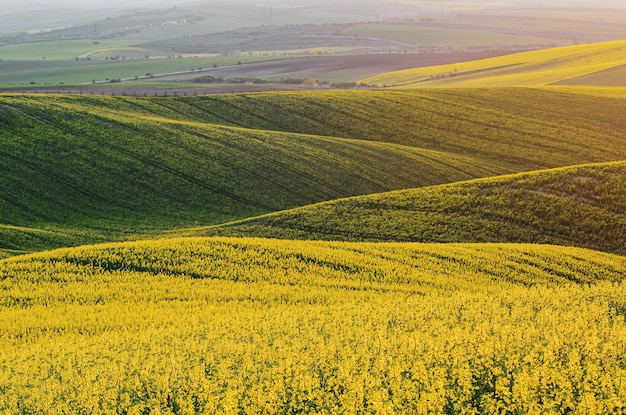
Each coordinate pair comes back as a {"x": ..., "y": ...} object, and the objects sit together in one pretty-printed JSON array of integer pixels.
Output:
[
  {"x": 534, "y": 68},
  {"x": 258, "y": 326}
]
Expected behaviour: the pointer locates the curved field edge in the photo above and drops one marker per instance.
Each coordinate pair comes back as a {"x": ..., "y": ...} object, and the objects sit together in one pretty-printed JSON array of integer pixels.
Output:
[
  {"x": 579, "y": 206},
  {"x": 225, "y": 325},
  {"x": 574, "y": 65},
  {"x": 559, "y": 126},
  {"x": 85, "y": 169},
  {"x": 19, "y": 240},
  {"x": 298, "y": 262},
  {"x": 75, "y": 174}
]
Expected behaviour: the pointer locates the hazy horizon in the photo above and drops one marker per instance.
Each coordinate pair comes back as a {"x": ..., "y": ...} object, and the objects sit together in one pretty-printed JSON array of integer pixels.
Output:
[
  {"x": 21, "y": 6},
  {"x": 15, "y": 15}
]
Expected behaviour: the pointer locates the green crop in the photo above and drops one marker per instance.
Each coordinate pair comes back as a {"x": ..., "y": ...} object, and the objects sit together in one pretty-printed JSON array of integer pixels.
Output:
[
  {"x": 85, "y": 169},
  {"x": 581, "y": 206}
]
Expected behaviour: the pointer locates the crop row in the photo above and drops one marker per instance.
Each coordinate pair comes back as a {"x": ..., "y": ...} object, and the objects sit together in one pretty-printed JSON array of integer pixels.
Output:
[
  {"x": 580, "y": 206},
  {"x": 112, "y": 165},
  {"x": 509, "y": 128},
  {"x": 104, "y": 166}
]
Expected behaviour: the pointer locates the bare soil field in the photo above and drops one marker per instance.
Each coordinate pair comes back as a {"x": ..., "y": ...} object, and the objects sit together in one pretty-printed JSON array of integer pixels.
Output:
[
  {"x": 358, "y": 64},
  {"x": 344, "y": 66},
  {"x": 609, "y": 77}
]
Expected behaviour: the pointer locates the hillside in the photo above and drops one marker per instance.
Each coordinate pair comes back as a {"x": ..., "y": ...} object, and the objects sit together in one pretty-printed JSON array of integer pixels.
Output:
[
  {"x": 76, "y": 171},
  {"x": 580, "y": 206},
  {"x": 85, "y": 169},
  {"x": 234, "y": 325},
  {"x": 598, "y": 64},
  {"x": 519, "y": 128}
]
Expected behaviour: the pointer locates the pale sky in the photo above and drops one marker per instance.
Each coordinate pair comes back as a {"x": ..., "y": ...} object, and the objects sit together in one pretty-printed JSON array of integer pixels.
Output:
[{"x": 14, "y": 6}]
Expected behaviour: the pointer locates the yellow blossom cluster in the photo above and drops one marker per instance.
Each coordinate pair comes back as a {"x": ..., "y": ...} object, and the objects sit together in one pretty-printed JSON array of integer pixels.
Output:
[{"x": 229, "y": 326}]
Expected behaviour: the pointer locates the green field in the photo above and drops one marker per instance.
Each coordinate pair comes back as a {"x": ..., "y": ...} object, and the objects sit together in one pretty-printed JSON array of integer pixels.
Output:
[
  {"x": 176, "y": 170},
  {"x": 576, "y": 206},
  {"x": 65, "y": 50},
  {"x": 82, "y": 72},
  {"x": 194, "y": 161}
]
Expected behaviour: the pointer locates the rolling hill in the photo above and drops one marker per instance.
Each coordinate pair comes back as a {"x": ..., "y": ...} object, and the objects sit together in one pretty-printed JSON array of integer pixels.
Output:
[
  {"x": 85, "y": 169},
  {"x": 580, "y": 206},
  {"x": 78, "y": 172},
  {"x": 598, "y": 64}
]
